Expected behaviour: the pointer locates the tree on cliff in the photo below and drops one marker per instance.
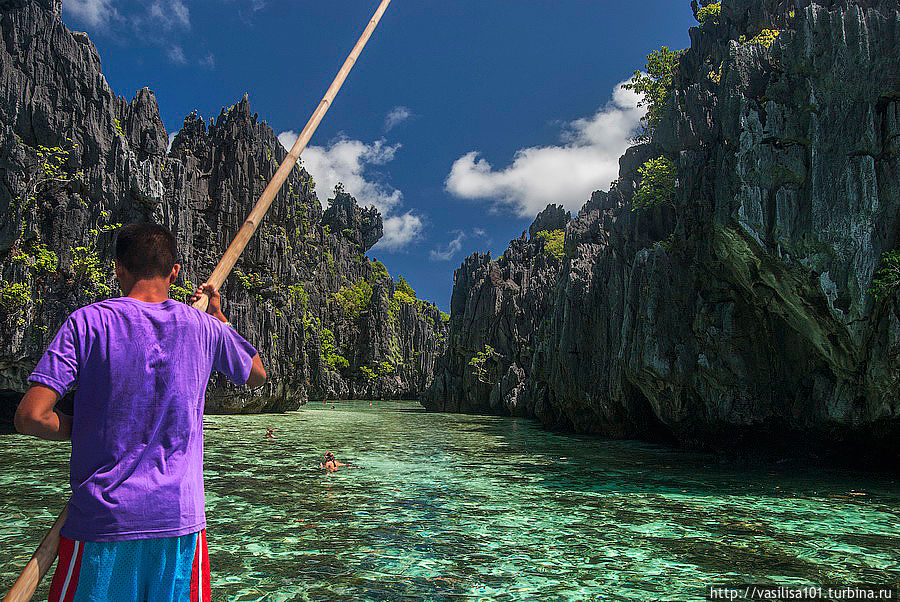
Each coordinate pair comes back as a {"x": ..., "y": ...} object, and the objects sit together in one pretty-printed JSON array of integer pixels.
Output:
[
  {"x": 654, "y": 84},
  {"x": 658, "y": 179},
  {"x": 887, "y": 278}
]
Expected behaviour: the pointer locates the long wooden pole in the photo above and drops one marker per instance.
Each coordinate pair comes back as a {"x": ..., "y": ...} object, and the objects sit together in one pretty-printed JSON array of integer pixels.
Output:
[
  {"x": 24, "y": 587},
  {"x": 265, "y": 200},
  {"x": 41, "y": 561}
]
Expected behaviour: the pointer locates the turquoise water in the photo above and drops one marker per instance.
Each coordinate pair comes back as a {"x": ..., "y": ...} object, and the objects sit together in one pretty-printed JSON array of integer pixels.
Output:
[{"x": 474, "y": 507}]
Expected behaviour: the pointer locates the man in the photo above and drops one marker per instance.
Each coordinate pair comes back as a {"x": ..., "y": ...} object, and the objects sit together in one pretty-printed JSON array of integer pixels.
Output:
[{"x": 136, "y": 525}]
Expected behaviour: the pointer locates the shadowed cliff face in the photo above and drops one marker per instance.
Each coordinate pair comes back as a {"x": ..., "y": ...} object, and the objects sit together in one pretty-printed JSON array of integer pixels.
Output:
[
  {"x": 738, "y": 313},
  {"x": 76, "y": 160}
]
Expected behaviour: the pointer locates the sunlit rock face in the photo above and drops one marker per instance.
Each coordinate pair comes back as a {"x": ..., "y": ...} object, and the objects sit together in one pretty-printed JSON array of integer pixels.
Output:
[
  {"x": 75, "y": 160},
  {"x": 739, "y": 313}
]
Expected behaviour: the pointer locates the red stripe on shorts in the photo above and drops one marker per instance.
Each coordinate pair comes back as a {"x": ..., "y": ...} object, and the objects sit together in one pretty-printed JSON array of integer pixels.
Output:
[
  {"x": 65, "y": 579},
  {"x": 200, "y": 586}
]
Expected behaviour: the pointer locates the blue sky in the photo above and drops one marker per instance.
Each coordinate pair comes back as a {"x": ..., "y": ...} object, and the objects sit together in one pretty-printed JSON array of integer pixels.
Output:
[{"x": 461, "y": 120}]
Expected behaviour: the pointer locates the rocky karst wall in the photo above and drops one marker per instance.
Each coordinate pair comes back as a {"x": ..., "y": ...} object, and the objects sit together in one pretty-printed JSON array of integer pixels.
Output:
[
  {"x": 75, "y": 160},
  {"x": 736, "y": 314}
]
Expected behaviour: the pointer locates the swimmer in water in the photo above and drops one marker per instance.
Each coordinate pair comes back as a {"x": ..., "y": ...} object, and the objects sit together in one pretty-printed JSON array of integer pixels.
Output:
[
  {"x": 270, "y": 433},
  {"x": 331, "y": 465}
]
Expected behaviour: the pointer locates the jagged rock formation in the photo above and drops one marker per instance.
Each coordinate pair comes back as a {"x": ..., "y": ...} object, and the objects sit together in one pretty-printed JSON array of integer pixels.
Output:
[
  {"x": 75, "y": 160},
  {"x": 738, "y": 312}
]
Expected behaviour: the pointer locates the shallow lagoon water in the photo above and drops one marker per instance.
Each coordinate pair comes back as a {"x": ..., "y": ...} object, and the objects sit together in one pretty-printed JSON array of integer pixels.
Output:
[{"x": 476, "y": 507}]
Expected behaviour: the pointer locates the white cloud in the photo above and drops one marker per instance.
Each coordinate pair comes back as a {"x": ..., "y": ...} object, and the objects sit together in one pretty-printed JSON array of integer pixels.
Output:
[
  {"x": 587, "y": 160},
  {"x": 171, "y": 140},
  {"x": 94, "y": 13},
  {"x": 247, "y": 9},
  {"x": 288, "y": 138},
  {"x": 161, "y": 23},
  {"x": 176, "y": 55},
  {"x": 395, "y": 117},
  {"x": 170, "y": 13},
  {"x": 181, "y": 13},
  {"x": 448, "y": 252},
  {"x": 348, "y": 162},
  {"x": 255, "y": 5},
  {"x": 150, "y": 20},
  {"x": 399, "y": 231}
]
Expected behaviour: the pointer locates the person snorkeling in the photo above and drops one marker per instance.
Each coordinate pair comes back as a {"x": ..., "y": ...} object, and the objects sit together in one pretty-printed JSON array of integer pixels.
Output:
[{"x": 331, "y": 464}]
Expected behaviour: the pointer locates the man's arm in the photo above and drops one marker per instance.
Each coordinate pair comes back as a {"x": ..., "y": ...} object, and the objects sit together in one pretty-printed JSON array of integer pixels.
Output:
[
  {"x": 36, "y": 415},
  {"x": 257, "y": 372}
]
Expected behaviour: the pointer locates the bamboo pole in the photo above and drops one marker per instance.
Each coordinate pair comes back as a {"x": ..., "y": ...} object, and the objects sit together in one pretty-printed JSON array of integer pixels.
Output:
[
  {"x": 41, "y": 561},
  {"x": 24, "y": 587},
  {"x": 265, "y": 200}
]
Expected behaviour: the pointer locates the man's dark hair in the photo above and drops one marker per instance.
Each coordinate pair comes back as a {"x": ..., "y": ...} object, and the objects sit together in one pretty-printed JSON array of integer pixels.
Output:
[{"x": 146, "y": 250}]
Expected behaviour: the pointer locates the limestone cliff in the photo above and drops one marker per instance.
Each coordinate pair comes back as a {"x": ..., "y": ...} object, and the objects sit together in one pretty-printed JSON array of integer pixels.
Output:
[
  {"x": 737, "y": 313},
  {"x": 76, "y": 160}
]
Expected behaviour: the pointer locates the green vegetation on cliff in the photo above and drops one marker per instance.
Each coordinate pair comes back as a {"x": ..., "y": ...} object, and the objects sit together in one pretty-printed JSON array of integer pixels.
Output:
[
  {"x": 299, "y": 295},
  {"x": 479, "y": 361},
  {"x": 384, "y": 368},
  {"x": 553, "y": 242},
  {"x": 710, "y": 11},
  {"x": 249, "y": 281},
  {"x": 887, "y": 278},
  {"x": 88, "y": 268},
  {"x": 657, "y": 183},
  {"x": 38, "y": 259},
  {"x": 14, "y": 295},
  {"x": 764, "y": 38},
  {"x": 655, "y": 84},
  {"x": 330, "y": 354},
  {"x": 354, "y": 300},
  {"x": 379, "y": 272},
  {"x": 181, "y": 293},
  {"x": 403, "y": 292}
]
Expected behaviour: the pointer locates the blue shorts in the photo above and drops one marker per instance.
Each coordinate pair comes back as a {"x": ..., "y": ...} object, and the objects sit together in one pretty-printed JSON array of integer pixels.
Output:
[{"x": 162, "y": 569}]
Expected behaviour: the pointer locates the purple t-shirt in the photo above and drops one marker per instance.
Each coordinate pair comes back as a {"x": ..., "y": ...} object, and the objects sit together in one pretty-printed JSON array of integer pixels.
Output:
[{"x": 137, "y": 432}]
